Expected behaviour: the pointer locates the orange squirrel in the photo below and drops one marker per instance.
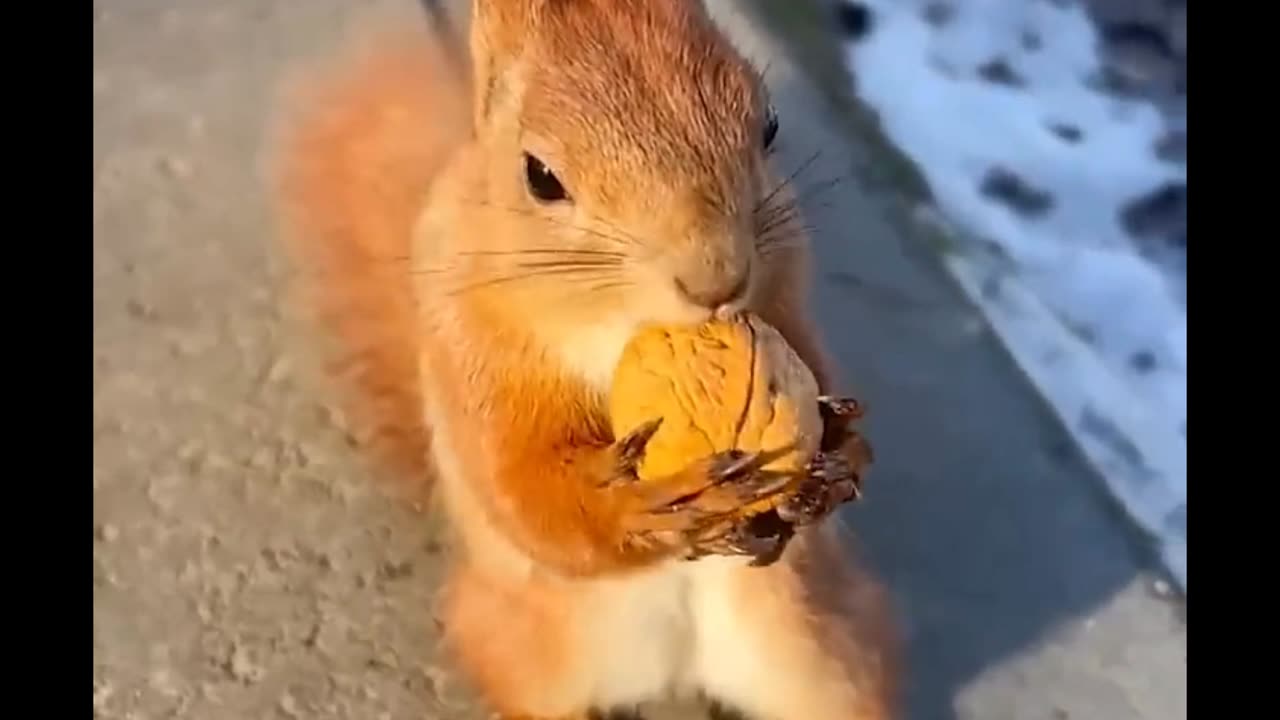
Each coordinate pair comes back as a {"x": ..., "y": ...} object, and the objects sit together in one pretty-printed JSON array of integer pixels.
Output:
[{"x": 481, "y": 245}]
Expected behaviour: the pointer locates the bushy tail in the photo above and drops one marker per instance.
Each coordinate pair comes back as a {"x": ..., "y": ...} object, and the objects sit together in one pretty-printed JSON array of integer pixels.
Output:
[{"x": 360, "y": 143}]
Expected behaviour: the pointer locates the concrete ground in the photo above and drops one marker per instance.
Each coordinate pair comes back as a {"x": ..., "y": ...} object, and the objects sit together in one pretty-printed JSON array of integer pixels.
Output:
[{"x": 245, "y": 567}]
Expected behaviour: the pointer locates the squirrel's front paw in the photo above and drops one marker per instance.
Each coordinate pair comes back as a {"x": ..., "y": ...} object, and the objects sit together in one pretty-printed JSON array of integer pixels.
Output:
[
  {"x": 704, "y": 509},
  {"x": 761, "y": 537},
  {"x": 625, "y": 455},
  {"x": 830, "y": 482},
  {"x": 837, "y": 415},
  {"x": 695, "y": 508},
  {"x": 834, "y": 476}
]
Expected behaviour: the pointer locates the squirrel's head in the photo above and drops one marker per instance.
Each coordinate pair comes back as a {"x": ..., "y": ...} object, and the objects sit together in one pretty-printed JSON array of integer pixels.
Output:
[{"x": 625, "y": 147}]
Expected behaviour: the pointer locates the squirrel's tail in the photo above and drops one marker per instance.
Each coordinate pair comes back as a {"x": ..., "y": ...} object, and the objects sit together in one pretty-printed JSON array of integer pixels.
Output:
[{"x": 354, "y": 159}]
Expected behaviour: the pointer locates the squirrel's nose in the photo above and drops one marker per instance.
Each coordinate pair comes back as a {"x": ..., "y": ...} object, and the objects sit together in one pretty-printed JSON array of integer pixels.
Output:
[{"x": 717, "y": 291}]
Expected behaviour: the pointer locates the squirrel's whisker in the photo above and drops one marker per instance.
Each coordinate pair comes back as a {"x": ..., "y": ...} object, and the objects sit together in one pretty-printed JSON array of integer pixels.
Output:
[
  {"x": 813, "y": 191},
  {"x": 561, "y": 273},
  {"x": 789, "y": 179},
  {"x": 627, "y": 240},
  {"x": 779, "y": 218},
  {"x": 543, "y": 251}
]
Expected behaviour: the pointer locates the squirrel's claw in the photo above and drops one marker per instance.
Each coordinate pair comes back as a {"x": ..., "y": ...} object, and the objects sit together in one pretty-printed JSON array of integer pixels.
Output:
[
  {"x": 717, "y": 486},
  {"x": 745, "y": 538},
  {"x": 733, "y": 466},
  {"x": 629, "y": 451},
  {"x": 837, "y": 414},
  {"x": 831, "y": 482}
]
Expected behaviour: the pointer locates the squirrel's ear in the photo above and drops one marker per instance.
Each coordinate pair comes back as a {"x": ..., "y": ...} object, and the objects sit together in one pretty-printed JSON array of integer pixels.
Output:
[{"x": 498, "y": 28}]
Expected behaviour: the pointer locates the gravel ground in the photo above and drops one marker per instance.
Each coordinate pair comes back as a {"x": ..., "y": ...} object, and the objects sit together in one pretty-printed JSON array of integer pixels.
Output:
[{"x": 245, "y": 567}]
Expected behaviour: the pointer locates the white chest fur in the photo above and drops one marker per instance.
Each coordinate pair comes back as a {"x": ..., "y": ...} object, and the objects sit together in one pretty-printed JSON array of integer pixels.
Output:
[
  {"x": 592, "y": 353},
  {"x": 651, "y": 635}
]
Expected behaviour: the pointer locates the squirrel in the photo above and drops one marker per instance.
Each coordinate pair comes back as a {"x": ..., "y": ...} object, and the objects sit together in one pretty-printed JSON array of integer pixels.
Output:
[{"x": 480, "y": 236}]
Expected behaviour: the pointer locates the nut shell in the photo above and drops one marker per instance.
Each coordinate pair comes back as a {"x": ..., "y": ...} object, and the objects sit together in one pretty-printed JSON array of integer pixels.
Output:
[{"x": 722, "y": 385}]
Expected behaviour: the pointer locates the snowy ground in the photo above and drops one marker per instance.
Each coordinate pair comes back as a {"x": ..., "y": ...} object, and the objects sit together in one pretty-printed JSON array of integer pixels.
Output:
[{"x": 1053, "y": 139}]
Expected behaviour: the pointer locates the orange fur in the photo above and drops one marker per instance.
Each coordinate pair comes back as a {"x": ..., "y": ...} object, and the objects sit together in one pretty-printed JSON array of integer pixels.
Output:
[
  {"x": 570, "y": 592},
  {"x": 356, "y": 160}
]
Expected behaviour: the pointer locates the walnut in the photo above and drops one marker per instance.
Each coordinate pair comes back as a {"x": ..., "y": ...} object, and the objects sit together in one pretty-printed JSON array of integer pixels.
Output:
[{"x": 723, "y": 385}]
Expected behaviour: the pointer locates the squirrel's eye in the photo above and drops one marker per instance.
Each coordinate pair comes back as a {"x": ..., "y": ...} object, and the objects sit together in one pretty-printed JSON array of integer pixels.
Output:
[
  {"x": 542, "y": 182},
  {"x": 770, "y": 129}
]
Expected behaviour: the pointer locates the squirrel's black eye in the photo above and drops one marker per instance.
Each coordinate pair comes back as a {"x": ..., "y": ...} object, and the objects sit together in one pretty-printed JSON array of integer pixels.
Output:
[
  {"x": 770, "y": 129},
  {"x": 542, "y": 182}
]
